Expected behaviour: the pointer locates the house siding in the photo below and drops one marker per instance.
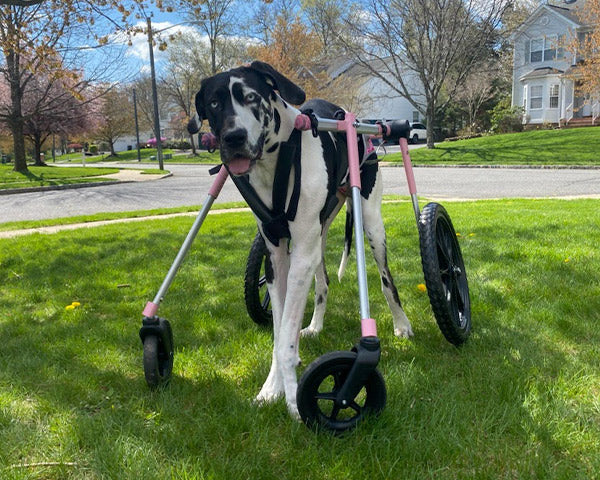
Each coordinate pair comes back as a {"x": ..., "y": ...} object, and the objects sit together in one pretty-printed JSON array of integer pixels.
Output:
[{"x": 540, "y": 38}]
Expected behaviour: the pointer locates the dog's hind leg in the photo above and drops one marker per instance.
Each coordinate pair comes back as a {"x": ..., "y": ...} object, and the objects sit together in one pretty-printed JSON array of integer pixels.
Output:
[
  {"x": 375, "y": 231},
  {"x": 321, "y": 282},
  {"x": 321, "y": 291}
]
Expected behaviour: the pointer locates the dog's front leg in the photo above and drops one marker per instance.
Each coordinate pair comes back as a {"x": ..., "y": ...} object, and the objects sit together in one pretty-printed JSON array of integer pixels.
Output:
[
  {"x": 277, "y": 285},
  {"x": 304, "y": 261}
]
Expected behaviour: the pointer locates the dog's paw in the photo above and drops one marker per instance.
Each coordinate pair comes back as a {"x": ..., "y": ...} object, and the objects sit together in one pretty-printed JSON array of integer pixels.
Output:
[
  {"x": 404, "y": 332},
  {"x": 309, "y": 332},
  {"x": 294, "y": 413},
  {"x": 267, "y": 397}
]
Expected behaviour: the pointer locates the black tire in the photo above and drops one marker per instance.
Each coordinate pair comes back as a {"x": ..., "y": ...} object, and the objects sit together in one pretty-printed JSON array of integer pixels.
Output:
[
  {"x": 445, "y": 274},
  {"x": 415, "y": 139},
  {"x": 256, "y": 295},
  {"x": 158, "y": 360},
  {"x": 319, "y": 385}
]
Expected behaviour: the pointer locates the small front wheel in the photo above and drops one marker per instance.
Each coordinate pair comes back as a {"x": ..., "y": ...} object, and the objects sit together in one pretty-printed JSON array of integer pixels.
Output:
[
  {"x": 158, "y": 357},
  {"x": 445, "y": 274},
  {"x": 320, "y": 384},
  {"x": 256, "y": 294}
]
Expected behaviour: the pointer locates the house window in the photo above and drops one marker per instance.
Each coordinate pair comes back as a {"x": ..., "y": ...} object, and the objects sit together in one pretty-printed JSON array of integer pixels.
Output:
[
  {"x": 535, "y": 100},
  {"x": 544, "y": 49},
  {"x": 537, "y": 50},
  {"x": 415, "y": 116},
  {"x": 554, "y": 96}
]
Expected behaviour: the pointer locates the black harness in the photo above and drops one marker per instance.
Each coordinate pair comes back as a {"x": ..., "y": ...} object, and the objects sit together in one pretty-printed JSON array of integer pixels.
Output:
[{"x": 275, "y": 221}]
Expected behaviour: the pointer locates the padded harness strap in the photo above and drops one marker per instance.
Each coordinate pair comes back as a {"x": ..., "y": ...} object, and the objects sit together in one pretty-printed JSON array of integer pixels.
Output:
[{"x": 275, "y": 221}]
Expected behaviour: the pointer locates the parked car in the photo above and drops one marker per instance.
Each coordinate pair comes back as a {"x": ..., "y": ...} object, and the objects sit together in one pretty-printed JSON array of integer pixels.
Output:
[{"x": 418, "y": 132}]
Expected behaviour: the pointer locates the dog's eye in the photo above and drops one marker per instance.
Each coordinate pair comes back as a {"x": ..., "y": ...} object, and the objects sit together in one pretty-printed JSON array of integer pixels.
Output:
[
  {"x": 214, "y": 105},
  {"x": 250, "y": 97}
]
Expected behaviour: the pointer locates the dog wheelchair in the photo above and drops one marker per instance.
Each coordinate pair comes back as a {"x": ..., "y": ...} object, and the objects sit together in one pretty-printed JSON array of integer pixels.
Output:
[{"x": 339, "y": 388}]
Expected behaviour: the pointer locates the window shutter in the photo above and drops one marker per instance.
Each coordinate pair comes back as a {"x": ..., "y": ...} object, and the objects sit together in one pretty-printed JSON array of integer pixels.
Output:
[{"x": 526, "y": 52}]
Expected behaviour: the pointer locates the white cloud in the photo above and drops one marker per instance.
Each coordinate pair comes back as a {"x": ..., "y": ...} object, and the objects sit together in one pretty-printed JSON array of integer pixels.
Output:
[{"x": 138, "y": 50}]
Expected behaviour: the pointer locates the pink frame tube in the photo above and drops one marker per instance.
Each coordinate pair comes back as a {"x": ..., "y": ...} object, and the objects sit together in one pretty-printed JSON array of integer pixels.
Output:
[
  {"x": 347, "y": 125},
  {"x": 217, "y": 185},
  {"x": 410, "y": 177}
]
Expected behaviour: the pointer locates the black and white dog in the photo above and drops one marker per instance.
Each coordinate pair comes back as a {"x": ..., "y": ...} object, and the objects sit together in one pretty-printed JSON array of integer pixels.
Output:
[{"x": 250, "y": 112}]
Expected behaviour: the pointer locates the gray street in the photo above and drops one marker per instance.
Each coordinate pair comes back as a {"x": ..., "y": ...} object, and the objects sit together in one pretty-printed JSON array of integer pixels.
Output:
[{"x": 190, "y": 183}]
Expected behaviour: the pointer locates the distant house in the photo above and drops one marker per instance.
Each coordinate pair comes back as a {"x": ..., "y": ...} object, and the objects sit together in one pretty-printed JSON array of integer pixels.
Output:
[
  {"x": 544, "y": 83},
  {"x": 370, "y": 97}
]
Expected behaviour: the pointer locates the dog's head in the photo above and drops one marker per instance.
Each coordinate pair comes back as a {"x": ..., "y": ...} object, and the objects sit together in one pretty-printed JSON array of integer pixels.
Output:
[{"x": 238, "y": 107}]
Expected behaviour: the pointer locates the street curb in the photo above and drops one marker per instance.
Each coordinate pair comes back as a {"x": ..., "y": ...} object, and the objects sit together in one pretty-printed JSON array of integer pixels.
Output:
[
  {"x": 515, "y": 167},
  {"x": 71, "y": 187}
]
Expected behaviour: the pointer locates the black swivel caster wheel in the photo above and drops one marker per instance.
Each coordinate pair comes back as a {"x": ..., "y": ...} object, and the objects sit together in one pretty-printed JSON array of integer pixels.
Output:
[
  {"x": 318, "y": 388},
  {"x": 157, "y": 338},
  {"x": 256, "y": 295},
  {"x": 445, "y": 274}
]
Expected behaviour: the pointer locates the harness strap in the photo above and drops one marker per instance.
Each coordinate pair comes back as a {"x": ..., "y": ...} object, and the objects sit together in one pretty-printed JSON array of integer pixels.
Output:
[{"x": 275, "y": 220}]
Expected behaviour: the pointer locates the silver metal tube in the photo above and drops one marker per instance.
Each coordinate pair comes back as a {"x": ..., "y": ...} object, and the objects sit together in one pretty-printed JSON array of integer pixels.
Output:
[
  {"x": 416, "y": 209},
  {"x": 184, "y": 249},
  {"x": 361, "y": 268},
  {"x": 330, "y": 125}
]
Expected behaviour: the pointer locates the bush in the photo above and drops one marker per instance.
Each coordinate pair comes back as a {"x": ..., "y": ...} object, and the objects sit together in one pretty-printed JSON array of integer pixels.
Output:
[
  {"x": 505, "y": 118},
  {"x": 93, "y": 149}
]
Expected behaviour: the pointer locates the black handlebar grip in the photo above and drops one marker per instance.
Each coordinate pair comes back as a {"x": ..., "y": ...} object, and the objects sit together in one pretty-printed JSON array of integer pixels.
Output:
[{"x": 393, "y": 131}]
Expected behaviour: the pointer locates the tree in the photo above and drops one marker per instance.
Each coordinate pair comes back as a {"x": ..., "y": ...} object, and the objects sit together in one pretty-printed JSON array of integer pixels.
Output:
[
  {"x": 216, "y": 20},
  {"x": 184, "y": 74},
  {"x": 33, "y": 34},
  {"x": 436, "y": 42},
  {"x": 587, "y": 50},
  {"x": 477, "y": 88},
  {"x": 116, "y": 117},
  {"x": 53, "y": 107}
]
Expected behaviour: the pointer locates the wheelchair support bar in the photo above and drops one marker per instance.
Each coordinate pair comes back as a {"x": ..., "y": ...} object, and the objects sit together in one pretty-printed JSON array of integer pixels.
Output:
[{"x": 152, "y": 307}]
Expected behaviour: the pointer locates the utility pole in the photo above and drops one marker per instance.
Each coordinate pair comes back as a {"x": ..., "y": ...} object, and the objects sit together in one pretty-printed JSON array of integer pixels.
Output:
[
  {"x": 137, "y": 128},
  {"x": 154, "y": 97}
]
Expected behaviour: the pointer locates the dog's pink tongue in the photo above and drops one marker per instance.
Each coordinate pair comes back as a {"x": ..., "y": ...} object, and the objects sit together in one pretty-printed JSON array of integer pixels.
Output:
[{"x": 239, "y": 165}]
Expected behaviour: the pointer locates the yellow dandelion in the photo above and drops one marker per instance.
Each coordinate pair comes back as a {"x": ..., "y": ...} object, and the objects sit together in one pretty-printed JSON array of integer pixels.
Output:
[
  {"x": 458, "y": 234},
  {"x": 76, "y": 304},
  {"x": 69, "y": 307},
  {"x": 421, "y": 287},
  {"x": 471, "y": 234},
  {"x": 567, "y": 260}
]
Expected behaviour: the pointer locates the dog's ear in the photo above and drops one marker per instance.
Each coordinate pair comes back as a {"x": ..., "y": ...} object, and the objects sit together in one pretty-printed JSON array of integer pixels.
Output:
[
  {"x": 199, "y": 102},
  {"x": 195, "y": 122},
  {"x": 289, "y": 91}
]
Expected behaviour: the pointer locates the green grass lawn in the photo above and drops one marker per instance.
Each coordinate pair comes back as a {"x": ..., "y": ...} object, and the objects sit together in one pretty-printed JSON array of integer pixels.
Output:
[
  {"x": 520, "y": 400},
  {"x": 46, "y": 176},
  {"x": 576, "y": 146},
  {"x": 177, "y": 156}
]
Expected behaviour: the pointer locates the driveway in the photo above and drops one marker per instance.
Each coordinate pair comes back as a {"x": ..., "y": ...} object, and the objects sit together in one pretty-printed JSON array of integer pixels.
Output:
[{"x": 189, "y": 186}]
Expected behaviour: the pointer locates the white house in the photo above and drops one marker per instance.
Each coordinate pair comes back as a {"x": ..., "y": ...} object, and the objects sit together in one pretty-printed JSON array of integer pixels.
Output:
[
  {"x": 543, "y": 82},
  {"x": 367, "y": 95}
]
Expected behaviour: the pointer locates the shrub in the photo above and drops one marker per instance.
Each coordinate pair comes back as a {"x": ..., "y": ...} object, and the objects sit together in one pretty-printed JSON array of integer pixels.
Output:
[
  {"x": 505, "y": 118},
  {"x": 93, "y": 149}
]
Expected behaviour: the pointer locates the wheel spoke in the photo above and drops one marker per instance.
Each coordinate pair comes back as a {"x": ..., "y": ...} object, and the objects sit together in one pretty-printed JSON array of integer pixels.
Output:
[
  {"x": 355, "y": 406},
  {"x": 266, "y": 301},
  {"x": 262, "y": 281},
  {"x": 334, "y": 412},
  {"x": 326, "y": 396},
  {"x": 444, "y": 258}
]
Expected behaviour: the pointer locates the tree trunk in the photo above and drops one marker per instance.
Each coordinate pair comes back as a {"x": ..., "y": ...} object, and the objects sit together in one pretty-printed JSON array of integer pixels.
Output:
[
  {"x": 430, "y": 118},
  {"x": 193, "y": 145},
  {"x": 16, "y": 121},
  {"x": 37, "y": 150}
]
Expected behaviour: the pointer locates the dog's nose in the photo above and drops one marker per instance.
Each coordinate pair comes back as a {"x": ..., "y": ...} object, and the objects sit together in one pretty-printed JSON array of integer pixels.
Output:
[{"x": 235, "y": 138}]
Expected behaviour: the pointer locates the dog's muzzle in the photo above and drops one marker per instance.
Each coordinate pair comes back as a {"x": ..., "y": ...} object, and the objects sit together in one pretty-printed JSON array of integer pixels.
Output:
[{"x": 235, "y": 152}]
